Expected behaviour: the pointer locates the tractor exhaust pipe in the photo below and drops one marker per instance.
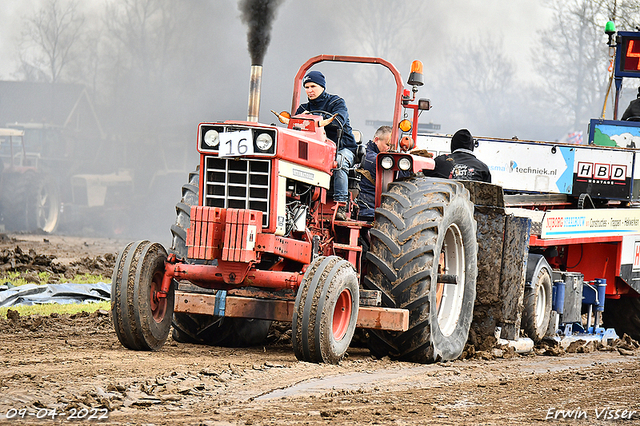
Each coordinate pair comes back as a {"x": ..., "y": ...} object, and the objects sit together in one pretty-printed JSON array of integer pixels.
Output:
[{"x": 254, "y": 93}]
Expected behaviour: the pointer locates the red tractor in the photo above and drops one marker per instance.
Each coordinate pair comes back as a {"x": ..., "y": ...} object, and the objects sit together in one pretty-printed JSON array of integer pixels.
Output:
[{"x": 256, "y": 240}]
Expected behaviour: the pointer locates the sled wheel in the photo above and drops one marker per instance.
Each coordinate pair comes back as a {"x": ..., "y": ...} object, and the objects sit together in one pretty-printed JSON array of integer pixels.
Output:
[
  {"x": 142, "y": 319},
  {"x": 424, "y": 228},
  {"x": 326, "y": 311},
  {"x": 623, "y": 315},
  {"x": 537, "y": 298}
]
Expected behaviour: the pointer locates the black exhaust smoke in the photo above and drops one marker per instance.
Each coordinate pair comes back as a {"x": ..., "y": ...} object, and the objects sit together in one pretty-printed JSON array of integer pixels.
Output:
[{"x": 259, "y": 16}]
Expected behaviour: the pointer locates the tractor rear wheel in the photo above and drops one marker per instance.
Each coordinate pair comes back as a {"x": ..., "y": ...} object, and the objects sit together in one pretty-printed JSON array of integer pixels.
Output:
[
  {"x": 45, "y": 211},
  {"x": 206, "y": 329},
  {"x": 326, "y": 311},
  {"x": 30, "y": 202},
  {"x": 141, "y": 315},
  {"x": 424, "y": 229},
  {"x": 623, "y": 315},
  {"x": 189, "y": 198},
  {"x": 537, "y": 300}
]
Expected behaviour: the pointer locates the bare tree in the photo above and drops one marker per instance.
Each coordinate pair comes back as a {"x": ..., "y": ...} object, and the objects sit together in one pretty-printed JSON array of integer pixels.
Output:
[
  {"x": 143, "y": 43},
  {"x": 573, "y": 55},
  {"x": 393, "y": 31},
  {"x": 48, "y": 40},
  {"x": 480, "y": 86},
  {"x": 625, "y": 13}
]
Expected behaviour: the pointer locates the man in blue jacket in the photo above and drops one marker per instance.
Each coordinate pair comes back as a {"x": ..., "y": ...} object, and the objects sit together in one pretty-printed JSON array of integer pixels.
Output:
[
  {"x": 366, "y": 199},
  {"x": 339, "y": 132}
]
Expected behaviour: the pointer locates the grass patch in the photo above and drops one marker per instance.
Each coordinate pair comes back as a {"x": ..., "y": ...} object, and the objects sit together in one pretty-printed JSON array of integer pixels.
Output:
[
  {"x": 50, "y": 308},
  {"x": 17, "y": 278},
  {"x": 89, "y": 279}
]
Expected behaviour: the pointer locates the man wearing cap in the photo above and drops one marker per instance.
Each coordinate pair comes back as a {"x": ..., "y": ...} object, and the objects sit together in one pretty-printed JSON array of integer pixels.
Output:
[
  {"x": 319, "y": 100},
  {"x": 467, "y": 166}
]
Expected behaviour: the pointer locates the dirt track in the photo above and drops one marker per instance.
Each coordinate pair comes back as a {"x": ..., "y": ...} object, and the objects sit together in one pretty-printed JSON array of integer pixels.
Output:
[{"x": 70, "y": 363}]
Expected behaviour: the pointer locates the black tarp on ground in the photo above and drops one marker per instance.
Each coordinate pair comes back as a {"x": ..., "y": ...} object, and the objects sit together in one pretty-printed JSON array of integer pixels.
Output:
[{"x": 31, "y": 294}]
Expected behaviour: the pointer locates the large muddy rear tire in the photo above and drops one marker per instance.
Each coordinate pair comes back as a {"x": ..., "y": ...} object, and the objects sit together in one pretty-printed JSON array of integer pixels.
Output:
[
  {"x": 424, "y": 228},
  {"x": 326, "y": 311},
  {"x": 190, "y": 192},
  {"x": 205, "y": 329},
  {"x": 141, "y": 316},
  {"x": 623, "y": 315}
]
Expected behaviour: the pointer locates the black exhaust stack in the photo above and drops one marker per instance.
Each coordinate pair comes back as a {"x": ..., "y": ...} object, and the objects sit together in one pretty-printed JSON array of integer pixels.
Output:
[
  {"x": 258, "y": 15},
  {"x": 255, "y": 83}
]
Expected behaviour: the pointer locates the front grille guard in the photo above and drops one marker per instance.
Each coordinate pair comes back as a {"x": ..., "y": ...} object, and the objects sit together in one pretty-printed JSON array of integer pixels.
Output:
[{"x": 238, "y": 184}]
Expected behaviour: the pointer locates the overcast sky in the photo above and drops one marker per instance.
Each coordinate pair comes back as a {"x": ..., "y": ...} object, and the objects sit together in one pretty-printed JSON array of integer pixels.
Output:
[{"x": 515, "y": 21}]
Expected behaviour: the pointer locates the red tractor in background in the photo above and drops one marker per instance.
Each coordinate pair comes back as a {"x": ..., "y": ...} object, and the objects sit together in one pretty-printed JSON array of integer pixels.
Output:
[
  {"x": 256, "y": 240},
  {"x": 29, "y": 197}
]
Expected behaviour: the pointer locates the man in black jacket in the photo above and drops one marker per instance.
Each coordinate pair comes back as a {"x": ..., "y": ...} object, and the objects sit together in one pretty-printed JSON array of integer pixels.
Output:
[
  {"x": 633, "y": 110},
  {"x": 467, "y": 166},
  {"x": 319, "y": 100}
]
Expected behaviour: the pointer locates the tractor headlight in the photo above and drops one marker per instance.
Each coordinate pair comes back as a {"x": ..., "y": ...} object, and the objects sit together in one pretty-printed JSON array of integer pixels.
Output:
[
  {"x": 404, "y": 164},
  {"x": 264, "y": 141},
  {"x": 386, "y": 162},
  {"x": 212, "y": 138}
]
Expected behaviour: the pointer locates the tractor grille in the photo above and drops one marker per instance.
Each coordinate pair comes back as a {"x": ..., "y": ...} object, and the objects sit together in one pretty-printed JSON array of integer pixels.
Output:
[{"x": 238, "y": 184}]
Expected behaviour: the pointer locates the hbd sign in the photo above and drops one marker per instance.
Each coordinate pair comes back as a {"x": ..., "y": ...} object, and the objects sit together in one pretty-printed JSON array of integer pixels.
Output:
[{"x": 602, "y": 171}]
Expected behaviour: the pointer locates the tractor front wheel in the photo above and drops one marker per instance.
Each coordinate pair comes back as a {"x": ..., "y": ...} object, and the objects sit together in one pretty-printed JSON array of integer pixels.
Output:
[
  {"x": 326, "y": 311},
  {"x": 141, "y": 313}
]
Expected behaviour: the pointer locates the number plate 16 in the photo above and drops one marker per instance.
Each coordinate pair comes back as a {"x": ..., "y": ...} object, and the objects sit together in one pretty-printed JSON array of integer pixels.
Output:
[{"x": 234, "y": 144}]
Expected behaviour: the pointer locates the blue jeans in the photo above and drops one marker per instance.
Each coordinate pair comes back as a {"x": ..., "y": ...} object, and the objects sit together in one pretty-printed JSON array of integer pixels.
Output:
[{"x": 341, "y": 176}]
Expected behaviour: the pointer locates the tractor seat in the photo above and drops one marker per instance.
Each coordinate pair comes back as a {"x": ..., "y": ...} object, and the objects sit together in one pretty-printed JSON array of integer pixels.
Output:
[
  {"x": 354, "y": 176},
  {"x": 360, "y": 149}
]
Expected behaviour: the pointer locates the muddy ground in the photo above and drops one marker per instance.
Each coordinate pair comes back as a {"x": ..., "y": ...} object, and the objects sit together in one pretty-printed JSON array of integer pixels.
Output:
[{"x": 76, "y": 366}]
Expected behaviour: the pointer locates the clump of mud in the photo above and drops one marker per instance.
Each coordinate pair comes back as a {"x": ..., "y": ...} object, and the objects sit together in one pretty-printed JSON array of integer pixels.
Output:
[
  {"x": 279, "y": 334},
  {"x": 624, "y": 346},
  {"x": 488, "y": 348},
  {"x": 99, "y": 265},
  {"x": 18, "y": 260},
  {"x": 30, "y": 263}
]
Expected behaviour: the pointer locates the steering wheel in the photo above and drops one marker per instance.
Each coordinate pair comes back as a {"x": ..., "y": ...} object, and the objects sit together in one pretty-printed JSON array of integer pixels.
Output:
[
  {"x": 633, "y": 118},
  {"x": 326, "y": 114},
  {"x": 340, "y": 123}
]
